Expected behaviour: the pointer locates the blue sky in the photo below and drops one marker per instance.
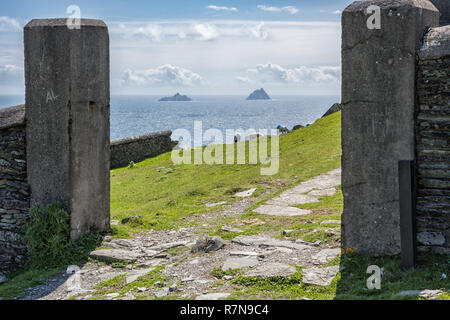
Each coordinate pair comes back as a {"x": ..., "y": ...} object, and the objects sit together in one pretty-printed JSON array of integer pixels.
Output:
[{"x": 198, "y": 47}]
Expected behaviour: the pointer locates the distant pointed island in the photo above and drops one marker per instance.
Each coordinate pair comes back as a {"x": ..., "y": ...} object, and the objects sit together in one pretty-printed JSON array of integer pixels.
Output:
[
  {"x": 177, "y": 97},
  {"x": 259, "y": 95}
]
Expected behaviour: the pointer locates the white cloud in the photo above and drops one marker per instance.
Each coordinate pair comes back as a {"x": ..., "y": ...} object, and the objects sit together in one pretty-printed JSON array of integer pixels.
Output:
[
  {"x": 148, "y": 31},
  {"x": 207, "y": 31},
  {"x": 159, "y": 31},
  {"x": 219, "y": 8},
  {"x": 337, "y": 12},
  {"x": 235, "y": 47},
  {"x": 164, "y": 75},
  {"x": 8, "y": 24},
  {"x": 259, "y": 31},
  {"x": 11, "y": 74},
  {"x": 243, "y": 79},
  {"x": 290, "y": 9},
  {"x": 277, "y": 74}
]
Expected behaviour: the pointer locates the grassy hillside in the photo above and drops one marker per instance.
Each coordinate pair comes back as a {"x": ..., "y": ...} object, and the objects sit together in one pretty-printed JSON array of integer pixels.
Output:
[{"x": 164, "y": 193}]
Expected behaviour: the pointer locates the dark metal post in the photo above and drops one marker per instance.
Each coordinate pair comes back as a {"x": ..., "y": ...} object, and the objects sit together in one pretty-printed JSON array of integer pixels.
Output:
[{"x": 407, "y": 185}]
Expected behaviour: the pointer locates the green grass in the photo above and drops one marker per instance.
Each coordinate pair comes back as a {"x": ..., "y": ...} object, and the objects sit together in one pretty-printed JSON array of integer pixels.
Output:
[
  {"x": 168, "y": 195},
  {"x": 427, "y": 276},
  {"x": 16, "y": 287},
  {"x": 219, "y": 273}
]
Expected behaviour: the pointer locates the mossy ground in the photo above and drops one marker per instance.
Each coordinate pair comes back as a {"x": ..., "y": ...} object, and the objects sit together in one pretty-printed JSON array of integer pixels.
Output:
[{"x": 20, "y": 281}]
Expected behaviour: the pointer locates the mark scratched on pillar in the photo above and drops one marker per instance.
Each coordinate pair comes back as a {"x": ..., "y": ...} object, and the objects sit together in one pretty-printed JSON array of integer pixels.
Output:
[{"x": 51, "y": 96}]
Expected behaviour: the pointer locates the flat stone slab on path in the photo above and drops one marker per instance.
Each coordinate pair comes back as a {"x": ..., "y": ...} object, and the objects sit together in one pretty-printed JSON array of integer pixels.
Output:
[
  {"x": 270, "y": 270},
  {"x": 114, "y": 255},
  {"x": 213, "y": 296},
  {"x": 326, "y": 255},
  {"x": 323, "y": 192},
  {"x": 240, "y": 263},
  {"x": 320, "y": 276},
  {"x": 244, "y": 254},
  {"x": 306, "y": 192},
  {"x": 292, "y": 199},
  {"x": 281, "y": 211},
  {"x": 167, "y": 246},
  {"x": 268, "y": 242}
]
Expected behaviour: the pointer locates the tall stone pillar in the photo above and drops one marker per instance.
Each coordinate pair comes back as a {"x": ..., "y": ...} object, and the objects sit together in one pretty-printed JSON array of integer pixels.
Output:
[
  {"x": 380, "y": 39},
  {"x": 67, "y": 116}
]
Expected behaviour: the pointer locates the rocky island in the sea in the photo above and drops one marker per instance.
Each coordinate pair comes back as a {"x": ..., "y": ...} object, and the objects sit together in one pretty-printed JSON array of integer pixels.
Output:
[
  {"x": 259, "y": 95},
  {"x": 177, "y": 97}
]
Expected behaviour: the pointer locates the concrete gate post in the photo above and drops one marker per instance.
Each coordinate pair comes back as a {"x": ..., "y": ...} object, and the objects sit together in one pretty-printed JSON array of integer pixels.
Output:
[
  {"x": 380, "y": 39},
  {"x": 67, "y": 117}
]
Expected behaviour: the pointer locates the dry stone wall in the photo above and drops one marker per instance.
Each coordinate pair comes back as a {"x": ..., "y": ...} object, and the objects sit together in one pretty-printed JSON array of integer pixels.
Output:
[
  {"x": 139, "y": 148},
  {"x": 433, "y": 142},
  {"x": 14, "y": 190}
]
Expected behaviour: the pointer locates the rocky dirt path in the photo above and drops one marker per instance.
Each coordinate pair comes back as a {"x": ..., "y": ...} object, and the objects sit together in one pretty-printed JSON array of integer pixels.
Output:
[{"x": 189, "y": 263}]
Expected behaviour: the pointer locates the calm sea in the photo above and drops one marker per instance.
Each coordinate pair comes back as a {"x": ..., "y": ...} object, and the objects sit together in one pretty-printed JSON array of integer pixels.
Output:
[{"x": 135, "y": 115}]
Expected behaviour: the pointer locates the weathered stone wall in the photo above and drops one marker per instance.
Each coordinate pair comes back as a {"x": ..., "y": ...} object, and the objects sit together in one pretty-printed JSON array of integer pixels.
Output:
[
  {"x": 433, "y": 142},
  {"x": 14, "y": 190},
  {"x": 139, "y": 148}
]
